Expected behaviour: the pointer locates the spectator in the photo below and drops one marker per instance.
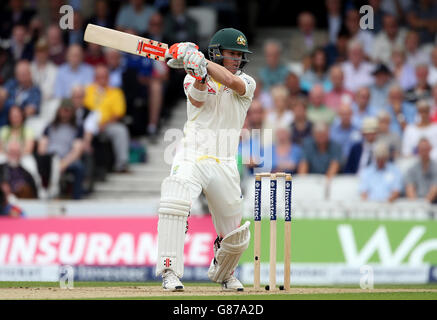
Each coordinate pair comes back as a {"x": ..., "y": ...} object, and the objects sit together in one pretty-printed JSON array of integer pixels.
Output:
[
  {"x": 403, "y": 72},
  {"x": 421, "y": 178},
  {"x": 178, "y": 25},
  {"x": 16, "y": 130},
  {"x": 286, "y": 156},
  {"x": 339, "y": 93},
  {"x": 14, "y": 14},
  {"x": 361, "y": 107},
  {"x": 397, "y": 8},
  {"x": 337, "y": 52},
  {"x": 422, "y": 90},
  {"x": 379, "y": 89},
  {"x": 264, "y": 96},
  {"x": 94, "y": 54},
  {"x": 21, "y": 48},
  {"x": 275, "y": 71},
  {"x": 306, "y": 38},
  {"x": 357, "y": 71},
  {"x": 317, "y": 110},
  {"x": 43, "y": 71},
  {"x": 432, "y": 76},
  {"x": 75, "y": 35},
  {"x": 317, "y": 73},
  {"x": 422, "y": 18},
  {"x": 6, "y": 66},
  {"x": 110, "y": 103},
  {"x": 156, "y": 30},
  {"x": 63, "y": 139},
  {"x": 391, "y": 138},
  {"x": 361, "y": 154},
  {"x": 102, "y": 16},
  {"x": 401, "y": 112},
  {"x": 415, "y": 54},
  {"x": 390, "y": 37},
  {"x": 113, "y": 60},
  {"x": 73, "y": 73},
  {"x": 321, "y": 155},
  {"x": 301, "y": 128},
  {"x": 134, "y": 15},
  {"x": 57, "y": 49},
  {"x": 344, "y": 132},
  {"x": 280, "y": 115},
  {"x": 356, "y": 33},
  {"x": 16, "y": 179},
  {"x": 334, "y": 19},
  {"x": 7, "y": 209},
  {"x": 378, "y": 16},
  {"x": 423, "y": 128},
  {"x": 86, "y": 119},
  {"x": 382, "y": 180},
  {"x": 292, "y": 83},
  {"x": 434, "y": 103},
  {"x": 20, "y": 91}
]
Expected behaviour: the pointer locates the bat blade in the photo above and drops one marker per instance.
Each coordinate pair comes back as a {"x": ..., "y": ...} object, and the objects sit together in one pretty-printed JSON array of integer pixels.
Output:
[{"x": 125, "y": 42}]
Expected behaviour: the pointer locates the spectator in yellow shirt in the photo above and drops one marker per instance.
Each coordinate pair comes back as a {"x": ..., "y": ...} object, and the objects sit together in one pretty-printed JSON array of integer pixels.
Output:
[{"x": 110, "y": 105}]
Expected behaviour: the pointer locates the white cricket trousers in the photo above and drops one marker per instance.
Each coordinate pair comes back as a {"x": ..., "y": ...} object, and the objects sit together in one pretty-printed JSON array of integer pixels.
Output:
[{"x": 220, "y": 182}]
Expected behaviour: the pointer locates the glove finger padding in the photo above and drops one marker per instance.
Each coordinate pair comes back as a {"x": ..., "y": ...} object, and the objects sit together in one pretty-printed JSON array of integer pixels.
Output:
[
  {"x": 227, "y": 256},
  {"x": 175, "y": 64},
  {"x": 179, "y": 50},
  {"x": 195, "y": 64}
]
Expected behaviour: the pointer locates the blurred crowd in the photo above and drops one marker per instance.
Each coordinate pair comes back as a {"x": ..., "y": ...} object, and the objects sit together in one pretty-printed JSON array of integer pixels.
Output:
[
  {"x": 71, "y": 111},
  {"x": 340, "y": 99}
]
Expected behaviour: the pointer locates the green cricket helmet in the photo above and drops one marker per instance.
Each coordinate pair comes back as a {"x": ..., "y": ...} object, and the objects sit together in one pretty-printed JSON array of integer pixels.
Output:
[{"x": 228, "y": 39}]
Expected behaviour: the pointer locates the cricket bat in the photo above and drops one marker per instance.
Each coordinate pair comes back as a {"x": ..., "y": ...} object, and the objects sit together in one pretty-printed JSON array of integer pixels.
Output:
[{"x": 126, "y": 42}]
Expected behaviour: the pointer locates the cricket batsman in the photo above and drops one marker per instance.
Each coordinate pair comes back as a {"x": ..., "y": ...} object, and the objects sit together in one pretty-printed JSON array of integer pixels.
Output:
[{"x": 218, "y": 94}]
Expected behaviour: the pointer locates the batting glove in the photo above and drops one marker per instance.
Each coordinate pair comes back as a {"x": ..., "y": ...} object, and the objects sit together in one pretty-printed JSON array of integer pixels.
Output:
[
  {"x": 195, "y": 64},
  {"x": 177, "y": 52}
]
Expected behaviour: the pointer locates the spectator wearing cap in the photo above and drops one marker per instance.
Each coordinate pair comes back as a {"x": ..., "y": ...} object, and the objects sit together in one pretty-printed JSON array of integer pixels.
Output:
[
  {"x": 317, "y": 110},
  {"x": 110, "y": 104},
  {"x": 401, "y": 112},
  {"x": 422, "y": 90},
  {"x": 382, "y": 180},
  {"x": 344, "y": 132},
  {"x": 274, "y": 71},
  {"x": 361, "y": 153},
  {"x": 21, "y": 92},
  {"x": 357, "y": 71},
  {"x": 421, "y": 178},
  {"x": 390, "y": 137},
  {"x": 424, "y": 128},
  {"x": 391, "y": 36},
  {"x": 321, "y": 155},
  {"x": 64, "y": 139},
  {"x": 361, "y": 107},
  {"x": 379, "y": 89},
  {"x": 339, "y": 94},
  {"x": 43, "y": 70},
  {"x": 134, "y": 15},
  {"x": 301, "y": 128},
  {"x": 403, "y": 72},
  {"x": 73, "y": 73}
]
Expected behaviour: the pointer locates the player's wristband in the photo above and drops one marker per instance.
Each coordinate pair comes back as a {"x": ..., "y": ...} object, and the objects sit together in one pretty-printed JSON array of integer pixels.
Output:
[{"x": 198, "y": 95}]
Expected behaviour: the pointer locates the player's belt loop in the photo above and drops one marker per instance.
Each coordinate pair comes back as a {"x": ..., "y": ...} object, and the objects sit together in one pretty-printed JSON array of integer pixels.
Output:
[{"x": 207, "y": 157}]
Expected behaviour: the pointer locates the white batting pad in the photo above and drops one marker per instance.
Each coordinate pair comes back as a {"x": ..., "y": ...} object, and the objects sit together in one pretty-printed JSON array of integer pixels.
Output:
[
  {"x": 227, "y": 256},
  {"x": 173, "y": 212}
]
